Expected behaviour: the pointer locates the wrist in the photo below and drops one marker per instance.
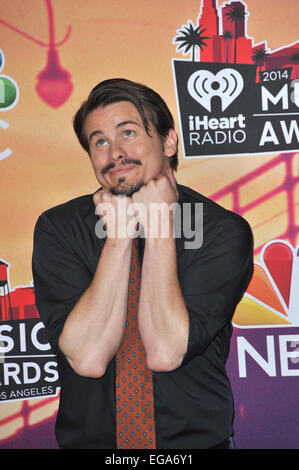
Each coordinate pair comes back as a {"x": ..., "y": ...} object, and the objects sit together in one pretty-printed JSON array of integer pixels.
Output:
[
  {"x": 121, "y": 243},
  {"x": 160, "y": 241},
  {"x": 160, "y": 227}
]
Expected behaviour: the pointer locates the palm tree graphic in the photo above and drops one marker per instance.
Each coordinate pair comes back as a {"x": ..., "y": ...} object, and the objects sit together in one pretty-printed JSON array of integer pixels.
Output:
[
  {"x": 295, "y": 60},
  {"x": 260, "y": 56},
  {"x": 235, "y": 14},
  {"x": 227, "y": 36},
  {"x": 191, "y": 38}
]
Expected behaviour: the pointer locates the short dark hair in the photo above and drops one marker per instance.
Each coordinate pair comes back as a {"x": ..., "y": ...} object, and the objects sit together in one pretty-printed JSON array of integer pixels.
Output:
[{"x": 149, "y": 104}]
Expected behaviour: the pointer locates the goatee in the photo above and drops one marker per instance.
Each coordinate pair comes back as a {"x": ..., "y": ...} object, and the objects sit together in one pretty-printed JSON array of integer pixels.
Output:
[{"x": 126, "y": 189}]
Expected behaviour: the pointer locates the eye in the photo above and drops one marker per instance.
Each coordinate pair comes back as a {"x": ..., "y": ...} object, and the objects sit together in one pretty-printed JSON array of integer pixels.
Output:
[
  {"x": 128, "y": 133},
  {"x": 101, "y": 142}
]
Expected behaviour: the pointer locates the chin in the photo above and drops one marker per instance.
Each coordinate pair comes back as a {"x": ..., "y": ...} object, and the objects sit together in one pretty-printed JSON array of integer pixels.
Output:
[{"x": 126, "y": 189}]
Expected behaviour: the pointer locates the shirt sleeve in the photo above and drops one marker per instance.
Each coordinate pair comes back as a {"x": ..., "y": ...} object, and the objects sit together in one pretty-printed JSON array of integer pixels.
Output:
[
  {"x": 60, "y": 277},
  {"x": 215, "y": 278}
]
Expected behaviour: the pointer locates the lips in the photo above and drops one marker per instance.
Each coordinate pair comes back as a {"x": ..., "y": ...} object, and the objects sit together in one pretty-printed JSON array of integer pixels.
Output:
[{"x": 121, "y": 171}]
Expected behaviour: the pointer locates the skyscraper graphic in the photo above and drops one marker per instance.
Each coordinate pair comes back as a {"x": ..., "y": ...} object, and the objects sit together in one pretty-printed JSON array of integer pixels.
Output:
[
  {"x": 228, "y": 41},
  {"x": 221, "y": 48},
  {"x": 208, "y": 18},
  {"x": 237, "y": 28},
  {"x": 228, "y": 25}
]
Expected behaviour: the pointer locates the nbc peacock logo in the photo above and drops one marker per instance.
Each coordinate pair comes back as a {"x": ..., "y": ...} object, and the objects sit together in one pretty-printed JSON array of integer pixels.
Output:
[{"x": 272, "y": 297}]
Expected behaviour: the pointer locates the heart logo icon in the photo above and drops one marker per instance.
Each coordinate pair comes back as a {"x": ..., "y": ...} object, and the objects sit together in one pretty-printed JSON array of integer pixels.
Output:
[{"x": 203, "y": 85}]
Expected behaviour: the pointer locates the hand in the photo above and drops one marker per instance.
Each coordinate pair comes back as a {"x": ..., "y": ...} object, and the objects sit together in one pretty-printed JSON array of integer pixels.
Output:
[
  {"x": 153, "y": 204},
  {"x": 117, "y": 220}
]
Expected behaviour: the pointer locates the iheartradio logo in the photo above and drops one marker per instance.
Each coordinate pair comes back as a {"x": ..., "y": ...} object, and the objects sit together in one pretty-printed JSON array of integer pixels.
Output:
[{"x": 227, "y": 84}]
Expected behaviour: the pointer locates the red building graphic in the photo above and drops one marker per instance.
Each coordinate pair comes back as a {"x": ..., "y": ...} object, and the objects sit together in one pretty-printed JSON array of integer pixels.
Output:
[
  {"x": 228, "y": 25},
  {"x": 285, "y": 57},
  {"x": 210, "y": 21},
  {"x": 228, "y": 41},
  {"x": 222, "y": 32},
  {"x": 17, "y": 304}
]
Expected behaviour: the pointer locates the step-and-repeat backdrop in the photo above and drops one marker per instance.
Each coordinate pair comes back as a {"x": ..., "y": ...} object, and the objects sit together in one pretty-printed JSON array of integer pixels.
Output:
[{"x": 229, "y": 71}]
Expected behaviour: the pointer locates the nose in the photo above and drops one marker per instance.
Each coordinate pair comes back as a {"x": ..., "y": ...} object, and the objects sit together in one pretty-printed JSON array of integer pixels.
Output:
[{"x": 117, "y": 152}]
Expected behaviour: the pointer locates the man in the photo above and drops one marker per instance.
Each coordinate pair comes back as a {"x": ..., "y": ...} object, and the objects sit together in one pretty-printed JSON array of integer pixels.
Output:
[{"x": 177, "y": 394}]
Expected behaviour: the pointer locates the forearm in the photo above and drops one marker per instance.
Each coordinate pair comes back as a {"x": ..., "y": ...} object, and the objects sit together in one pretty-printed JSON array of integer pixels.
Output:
[
  {"x": 93, "y": 330},
  {"x": 163, "y": 316}
]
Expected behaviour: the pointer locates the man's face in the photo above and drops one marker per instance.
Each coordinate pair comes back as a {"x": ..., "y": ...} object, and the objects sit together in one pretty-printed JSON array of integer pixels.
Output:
[{"x": 124, "y": 157}]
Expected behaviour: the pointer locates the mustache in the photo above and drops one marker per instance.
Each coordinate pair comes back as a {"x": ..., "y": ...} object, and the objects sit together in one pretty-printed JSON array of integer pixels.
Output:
[{"x": 125, "y": 161}]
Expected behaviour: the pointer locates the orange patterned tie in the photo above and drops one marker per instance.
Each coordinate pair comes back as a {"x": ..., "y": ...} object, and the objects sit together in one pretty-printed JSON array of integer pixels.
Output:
[{"x": 135, "y": 424}]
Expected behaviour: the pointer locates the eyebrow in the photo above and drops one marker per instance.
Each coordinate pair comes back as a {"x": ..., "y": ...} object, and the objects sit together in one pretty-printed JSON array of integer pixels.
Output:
[{"x": 120, "y": 124}]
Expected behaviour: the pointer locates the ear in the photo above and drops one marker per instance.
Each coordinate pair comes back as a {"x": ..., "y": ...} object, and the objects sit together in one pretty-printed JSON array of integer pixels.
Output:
[{"x": 170, "y": 143}]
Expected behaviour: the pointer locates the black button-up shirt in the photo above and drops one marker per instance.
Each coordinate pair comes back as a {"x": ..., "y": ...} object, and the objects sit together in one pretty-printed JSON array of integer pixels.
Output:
[{"x": 193, "y": 404}]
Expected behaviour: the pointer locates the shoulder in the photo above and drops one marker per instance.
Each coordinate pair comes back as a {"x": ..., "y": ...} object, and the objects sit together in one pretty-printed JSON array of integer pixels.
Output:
[
  {"x": 216, "y": 220},
  {"x": 210, "y": 208},
  {"x": 70, "y": 211},
  {"x": 80, "y": 205},
  {"x": 68, "y": 220}
]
